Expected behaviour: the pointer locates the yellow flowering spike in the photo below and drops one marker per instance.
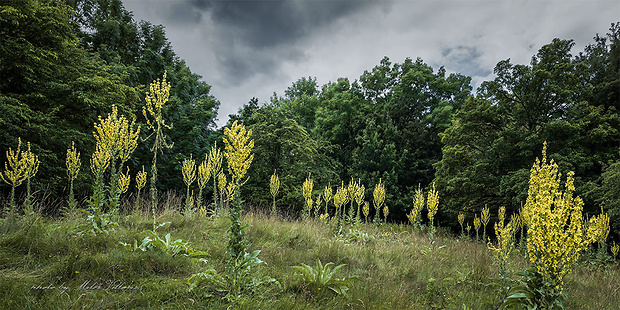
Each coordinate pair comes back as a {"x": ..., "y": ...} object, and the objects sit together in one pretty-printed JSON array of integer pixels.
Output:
[
  {"x": 238, "y": 148},
  {"x": 221, "y": 182},
  {"x": 386, "y": 212},
  {"x": 461, "y": 219},
  {"x": 274, "y": 184},
  {"x": 418, "y": 204},
  {"x": 317, "y": 203},
  {"x": 598, "y": 228},
  {"x": 505, "y": 243},
  {"x": 123, "y": 181},
  {"x": 115, "y": 135},
  {"x": 476, "y": 225},
  {"x": 379, "y": 195},
  {"x": 485, "y": 216},
  {"x": 614, "y": 249},
  {"x": 468, "y": 228},
  {"x": 432, "y": 203},
  {"x": 230, "y": 191},
  {"x": 73, "y": 162},
  {"x": 309, "y": 204},
  {"x": 99, "y": 161},
  {"x": 189, "y": 171},
  {"x": 157, "y": 95},
  {"x": 31, "y": 162},
  {"x": 341, "y": 197},
  {"x": 204, "y": 173},
  {"x": 501, "y": 215},
  {"x": 215, "y": 161},
  {"x": 141, "y": 179},
  {"x": 366, "y": 209},
  {"x": 128, "y": 139},
  {"x": 556, "y": 233},
  {"x": 15, "y": 170},
  {"x": 307, "y": 188},
  {"x": 359, "y": 193},
  {"x": 327, "y": 193}
]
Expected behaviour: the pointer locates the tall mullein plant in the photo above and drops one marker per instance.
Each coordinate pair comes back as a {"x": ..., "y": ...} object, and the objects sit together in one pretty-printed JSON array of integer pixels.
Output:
[
  {"x": 73, "y": 164},
  {"x": 32, "y": 166},
  {"x": 14, "y": 171},
  {"x": 116, "y": 136},
  {"x": 378, "y": 200},
  {"x": 556, "y": 233},
  {"x": 156, "y": 97},
  {"x": 204, "y": 173},
  {"x": 274, "y": 186},
  {"x": 189, "y": 176},
  {"x": 238, "y": 152},
  {"x": 140, "y": 183},
  {"x": 214, "y": 162}
]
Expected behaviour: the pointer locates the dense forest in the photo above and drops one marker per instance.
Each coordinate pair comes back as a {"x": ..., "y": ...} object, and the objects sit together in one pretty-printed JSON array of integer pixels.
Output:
[{"x": 65, "y": 63}]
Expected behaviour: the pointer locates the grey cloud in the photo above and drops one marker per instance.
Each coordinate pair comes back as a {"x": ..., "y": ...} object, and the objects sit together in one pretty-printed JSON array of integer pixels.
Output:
[
  {"x": 259, "y": 36},
  {"x": 265, "y": 24},
  {"x": 464, "y": 59}
]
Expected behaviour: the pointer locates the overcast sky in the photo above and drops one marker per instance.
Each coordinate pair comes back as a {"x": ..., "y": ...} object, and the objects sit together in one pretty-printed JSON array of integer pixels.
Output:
[{"x": 252, "y": 48}]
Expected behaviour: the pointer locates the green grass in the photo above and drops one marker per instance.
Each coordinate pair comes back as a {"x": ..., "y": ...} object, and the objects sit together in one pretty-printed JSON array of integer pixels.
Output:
[{"x": 398, "y": 268}]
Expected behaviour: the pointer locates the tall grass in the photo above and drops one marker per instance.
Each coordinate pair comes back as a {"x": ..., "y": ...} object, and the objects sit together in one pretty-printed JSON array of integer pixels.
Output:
[{"x": 398, "y": 267}]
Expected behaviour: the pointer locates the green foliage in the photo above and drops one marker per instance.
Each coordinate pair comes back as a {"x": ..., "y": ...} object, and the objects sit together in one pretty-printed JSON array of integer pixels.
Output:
[
  {"x": 97, "y": 222},
  {"x": 532, "y": 293},
  {"x": 236, "y": 281},
  {"x": 494, "y": 137},
  {"x": 165, "y": 244},
  {"x": 324, "y": 277}
]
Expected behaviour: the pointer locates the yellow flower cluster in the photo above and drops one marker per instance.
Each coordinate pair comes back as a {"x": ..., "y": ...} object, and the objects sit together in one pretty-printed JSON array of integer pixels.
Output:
[
  {"x": 554, "y": 220},
  {"x": 485, "y": 216},
  {"x": 358, "y": 193},
  {"x": 156, "y": 97},
  {"x": 15, "y": 171},
  {"x": 73, "y": 162},
  {"x": 215, "y": 161},
  {"x": 274, "y": 184},
  {"x": 31, "y": 162},
  {"x": 116, "y": 136},
  {"x": 141, "y": 179},
  {"x": 204, "y": 172},
  {"x": 366, "y": 209},
  {"x": 476, "y": 224},
  {"x": 505, "y": 242},
  {"x": 379, "y": 196},
  {"x": 221, "y": 182},
  {"x": 341, "y": 197},
  {"x": 99, "y": 162},
  {"x": 614, "y": 249},
  {"x": 501, "y": 215},
  {"x": 415, "y": 216},
  {"x": 327, "y": 193},
  {"x": 189, "y": 171},
  {"x": 238, "y": 150},
  {"x": 461, "y": 219},
  {"x": 432, "y": 203},
  {"x": 123, "y": 181},
  {"x": 598, "y": 228},
  {"x": 306, "y": 188}
]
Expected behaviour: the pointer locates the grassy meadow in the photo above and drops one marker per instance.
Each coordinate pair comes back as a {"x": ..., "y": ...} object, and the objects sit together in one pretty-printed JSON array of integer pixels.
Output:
[{"x": 46, "y": 262}]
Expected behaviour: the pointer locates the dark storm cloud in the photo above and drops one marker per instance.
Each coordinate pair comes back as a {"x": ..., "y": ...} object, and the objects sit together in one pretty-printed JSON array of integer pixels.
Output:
[
  {"x": 253, "y": 37},
  {"x": 266, "y": 24}
]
